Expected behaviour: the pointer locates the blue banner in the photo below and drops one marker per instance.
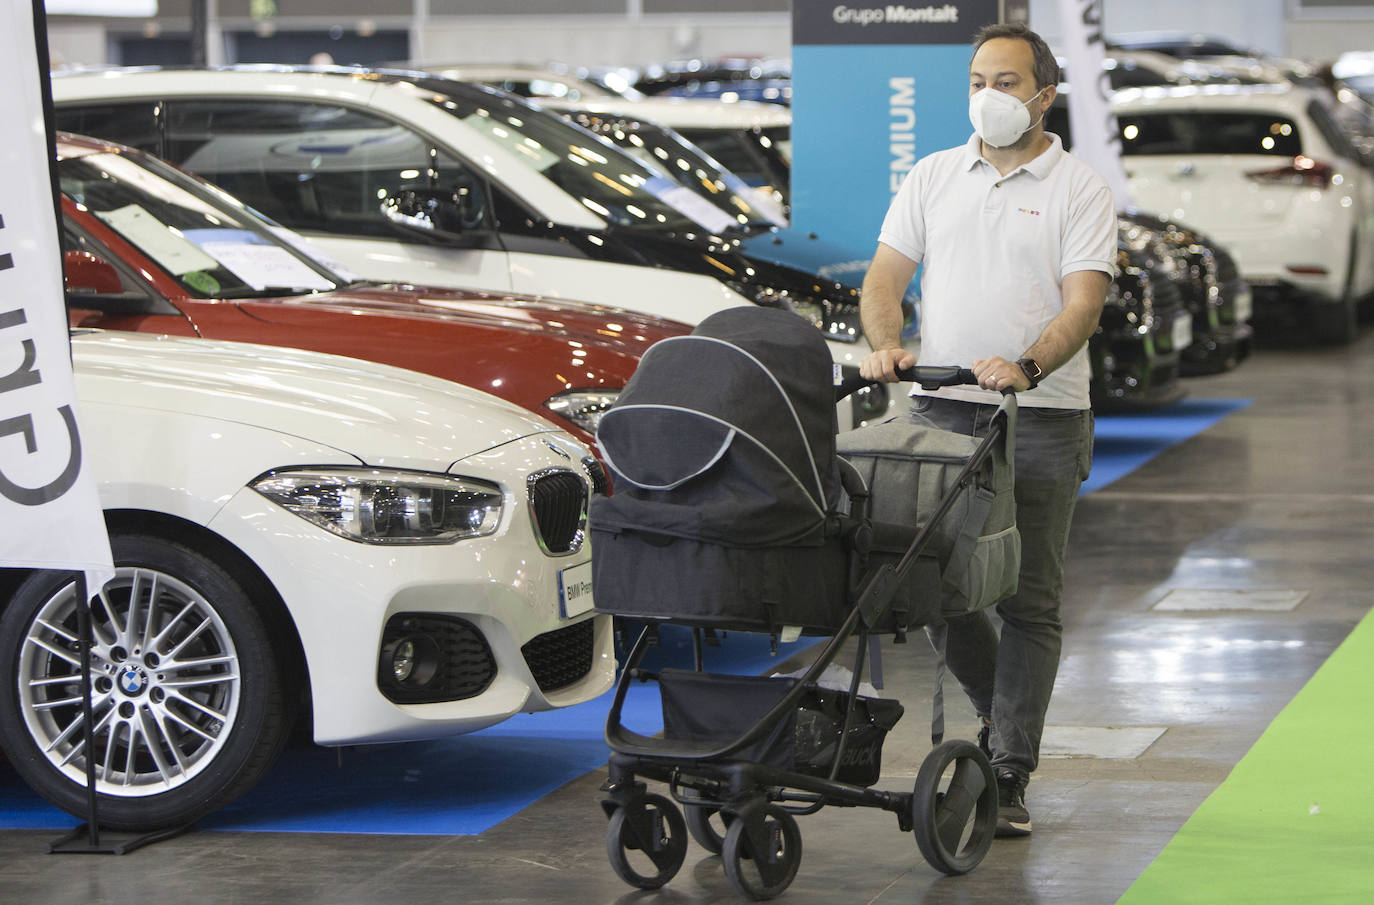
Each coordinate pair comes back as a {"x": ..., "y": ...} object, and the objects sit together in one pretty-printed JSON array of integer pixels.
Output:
[{"x": 861, "y": 118}]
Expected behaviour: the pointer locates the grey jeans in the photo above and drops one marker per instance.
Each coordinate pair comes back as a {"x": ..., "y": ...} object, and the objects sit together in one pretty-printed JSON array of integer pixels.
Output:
[{"x": 1010, "y": 679}]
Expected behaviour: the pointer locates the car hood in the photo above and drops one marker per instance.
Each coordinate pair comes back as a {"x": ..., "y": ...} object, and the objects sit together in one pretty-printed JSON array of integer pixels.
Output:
[
  {"x": 514, "y": 319},
  {"x": 805, "y": 251},
  {"x": 383, "y": 416}
]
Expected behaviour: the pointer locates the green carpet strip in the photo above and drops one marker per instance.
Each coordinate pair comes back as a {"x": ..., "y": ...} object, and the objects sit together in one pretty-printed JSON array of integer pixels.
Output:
[{"x": 1294, "y": 822}]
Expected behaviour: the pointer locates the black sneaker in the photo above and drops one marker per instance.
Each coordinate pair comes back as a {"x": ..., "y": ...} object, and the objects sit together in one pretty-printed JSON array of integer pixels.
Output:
[{"x": 1012, "y": 817}]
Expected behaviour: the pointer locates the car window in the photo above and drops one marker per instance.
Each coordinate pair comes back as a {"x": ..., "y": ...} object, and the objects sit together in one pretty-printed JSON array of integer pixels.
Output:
[
  {"x": 758, "y": 156},
  {"x": 600, "y": 176},
  {"x": 212, "y": 250},
  {"x": 1210, "y": 132},
  {"x": 134, "y": 124},
  {"x": 311, "y": 166},
  {"x": 667, "y": 152},
  {"x": 1331, "y": 131}
]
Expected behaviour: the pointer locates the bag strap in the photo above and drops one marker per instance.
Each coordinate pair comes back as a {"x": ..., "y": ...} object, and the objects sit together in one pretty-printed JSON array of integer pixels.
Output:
[
  {"x": 975, "y": 517},
  {"x": 937, "y": 634}
]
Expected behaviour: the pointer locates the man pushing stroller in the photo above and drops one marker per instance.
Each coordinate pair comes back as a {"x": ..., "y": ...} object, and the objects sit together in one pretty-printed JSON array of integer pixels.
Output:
[{"x": 1018, "y": 240}]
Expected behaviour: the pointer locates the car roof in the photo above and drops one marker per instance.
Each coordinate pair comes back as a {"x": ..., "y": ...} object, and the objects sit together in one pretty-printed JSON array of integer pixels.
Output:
[{"x": 1214, "y": 98}]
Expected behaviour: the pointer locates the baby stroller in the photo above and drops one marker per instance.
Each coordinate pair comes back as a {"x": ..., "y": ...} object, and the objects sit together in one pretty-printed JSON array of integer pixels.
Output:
[{"x": 734, "y": 511}]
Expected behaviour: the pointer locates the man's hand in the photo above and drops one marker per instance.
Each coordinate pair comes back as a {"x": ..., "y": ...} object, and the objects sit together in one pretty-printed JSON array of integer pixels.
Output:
[
  {"x": 882, "y": 365},
  {"x": 999, "y": 374}
]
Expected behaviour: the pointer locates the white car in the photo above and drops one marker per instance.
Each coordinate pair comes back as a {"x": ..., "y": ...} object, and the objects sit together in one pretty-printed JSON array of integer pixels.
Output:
[
  {"x": 1267, "y": 172},
  {"x": 397, "y": 556},
  {"x": 407, "y": 178}
]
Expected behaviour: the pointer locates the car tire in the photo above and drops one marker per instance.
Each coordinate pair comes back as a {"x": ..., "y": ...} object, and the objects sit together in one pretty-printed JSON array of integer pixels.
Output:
[
  {"x": 186, "y": 695},
  {"x": 1337, "y": 323}
]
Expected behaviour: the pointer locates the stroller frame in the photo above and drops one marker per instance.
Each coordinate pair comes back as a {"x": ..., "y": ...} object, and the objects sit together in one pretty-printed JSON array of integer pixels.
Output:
[{"x": 954, "y": 821}]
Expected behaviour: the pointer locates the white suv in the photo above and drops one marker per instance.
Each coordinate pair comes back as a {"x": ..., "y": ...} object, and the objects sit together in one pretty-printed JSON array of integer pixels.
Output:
[{"x": 1268, "y": 173}]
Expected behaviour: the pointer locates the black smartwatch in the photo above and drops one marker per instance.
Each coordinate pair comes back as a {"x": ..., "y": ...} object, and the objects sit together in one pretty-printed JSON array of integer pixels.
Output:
[{"x": 1032, "y": 370}]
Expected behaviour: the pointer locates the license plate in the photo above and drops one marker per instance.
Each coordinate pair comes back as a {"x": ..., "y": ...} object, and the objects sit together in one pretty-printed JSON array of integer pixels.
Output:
[
  {"x": 1182, "y": 333},
  {"x": 1245, "y": 306},
  {"x": 575, "y": 590}
]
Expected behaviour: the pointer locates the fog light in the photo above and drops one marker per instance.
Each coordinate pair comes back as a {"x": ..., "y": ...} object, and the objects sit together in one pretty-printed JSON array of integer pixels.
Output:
[
  {"x": 411, "y": 660},
  {"x": 403, "y": 660}
]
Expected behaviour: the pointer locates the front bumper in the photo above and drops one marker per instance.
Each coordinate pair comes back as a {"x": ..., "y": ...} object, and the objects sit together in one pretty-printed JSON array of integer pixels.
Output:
[
  {"x": 341, "y": 595},
  {"x": 1134, "y": 370}
]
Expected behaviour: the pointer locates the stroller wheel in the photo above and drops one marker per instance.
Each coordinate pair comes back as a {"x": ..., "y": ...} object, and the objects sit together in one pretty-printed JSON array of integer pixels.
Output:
[
  {"x": 762, "y": 851},
  {"x": 654, "y": 831},
  {"x": 954, "y": 807},
  {"x": 703, "y": 830}
]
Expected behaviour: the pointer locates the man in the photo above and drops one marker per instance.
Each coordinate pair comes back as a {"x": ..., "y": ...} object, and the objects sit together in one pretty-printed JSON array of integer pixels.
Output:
[{"x": 1018, "y": 243}]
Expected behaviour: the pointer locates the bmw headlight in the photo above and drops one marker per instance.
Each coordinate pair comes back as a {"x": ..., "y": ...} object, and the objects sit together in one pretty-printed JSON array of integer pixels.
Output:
[
  {"x": 582, "y": 407},
  {"x": 386, "y": 506}
]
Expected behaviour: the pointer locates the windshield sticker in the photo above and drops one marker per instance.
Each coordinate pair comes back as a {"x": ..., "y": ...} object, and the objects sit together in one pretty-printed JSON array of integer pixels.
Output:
[
  {"x": 172, "y": 250},
  {"x": 690, "y": 204}
]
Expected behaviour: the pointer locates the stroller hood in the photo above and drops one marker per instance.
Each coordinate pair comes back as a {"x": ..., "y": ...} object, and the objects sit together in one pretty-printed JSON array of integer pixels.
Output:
[{"x": 726, "y": 435}]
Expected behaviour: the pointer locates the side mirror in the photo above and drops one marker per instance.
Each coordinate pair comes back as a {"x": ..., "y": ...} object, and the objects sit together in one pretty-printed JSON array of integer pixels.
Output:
[
  {"x": 435, "y": 212},
  {"x": 90, "y": 274}
]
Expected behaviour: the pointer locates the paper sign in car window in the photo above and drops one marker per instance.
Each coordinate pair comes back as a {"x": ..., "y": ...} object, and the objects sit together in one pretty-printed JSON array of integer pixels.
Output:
[
  {"x": 689, "y": 203},
  {"x": 173, "y": 251},
  {"x": 314, "y": 252},
  {"x": 266, "y": 266},
  {"x": 529, "y": 150}
]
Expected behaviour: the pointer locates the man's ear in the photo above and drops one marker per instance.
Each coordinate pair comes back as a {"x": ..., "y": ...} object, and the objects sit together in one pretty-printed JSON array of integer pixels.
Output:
[{"x": 1047, "y": 99}]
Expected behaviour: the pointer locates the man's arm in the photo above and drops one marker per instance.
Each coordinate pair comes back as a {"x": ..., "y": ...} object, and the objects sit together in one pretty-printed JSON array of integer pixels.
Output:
[
  {"x": 1085, "y": 291},
  {"x": 880, "y": 309}
]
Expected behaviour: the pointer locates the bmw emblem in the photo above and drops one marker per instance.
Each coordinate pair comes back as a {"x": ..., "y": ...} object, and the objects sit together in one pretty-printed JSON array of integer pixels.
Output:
[
  {"x": 551, "y": 445},
  {"x": 132, "y": 680}
]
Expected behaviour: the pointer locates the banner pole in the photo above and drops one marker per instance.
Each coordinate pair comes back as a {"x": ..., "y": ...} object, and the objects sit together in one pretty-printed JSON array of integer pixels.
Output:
[{"x": 83, "y": 631}]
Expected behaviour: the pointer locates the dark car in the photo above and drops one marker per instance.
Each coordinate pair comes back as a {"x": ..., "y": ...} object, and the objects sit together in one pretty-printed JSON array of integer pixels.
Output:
[
  {"x": 1136, "y": 349},
  {"x": 1211, "y": 287}
]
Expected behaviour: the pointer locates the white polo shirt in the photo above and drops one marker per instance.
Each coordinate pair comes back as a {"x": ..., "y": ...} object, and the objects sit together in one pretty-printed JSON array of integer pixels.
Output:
[{"x": 995, "y": 250}]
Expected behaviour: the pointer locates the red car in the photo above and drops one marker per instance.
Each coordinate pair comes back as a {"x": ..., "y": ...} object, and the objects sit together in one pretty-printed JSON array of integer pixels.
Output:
[{"x": 150, "y": 248}]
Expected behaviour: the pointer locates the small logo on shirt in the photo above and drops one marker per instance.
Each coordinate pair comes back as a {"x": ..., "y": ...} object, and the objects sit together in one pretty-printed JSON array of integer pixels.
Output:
[{"x": 1026, "y": 210}]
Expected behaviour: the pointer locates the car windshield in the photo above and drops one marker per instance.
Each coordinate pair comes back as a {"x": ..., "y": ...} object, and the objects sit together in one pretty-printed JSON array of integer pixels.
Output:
[
  {"x": 665, "y": 151},
  {"x": 1212, "y": 132},
  {"x": 211, "y": 246},
  {"x": 604, "y": 179}
]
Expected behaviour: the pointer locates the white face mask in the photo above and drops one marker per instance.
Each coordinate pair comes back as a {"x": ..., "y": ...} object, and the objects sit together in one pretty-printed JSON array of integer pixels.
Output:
[{"x": 998, "y": 118}]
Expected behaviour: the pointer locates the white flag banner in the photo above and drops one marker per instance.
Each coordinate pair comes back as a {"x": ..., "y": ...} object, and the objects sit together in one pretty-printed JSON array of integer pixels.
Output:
[
  {"x": 50, "y": 516},
  {"x": 1096, "y": 138}
]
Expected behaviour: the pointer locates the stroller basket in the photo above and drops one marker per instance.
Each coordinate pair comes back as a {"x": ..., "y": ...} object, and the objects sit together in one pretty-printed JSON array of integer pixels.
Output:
[{"x": 707, "y": 707}]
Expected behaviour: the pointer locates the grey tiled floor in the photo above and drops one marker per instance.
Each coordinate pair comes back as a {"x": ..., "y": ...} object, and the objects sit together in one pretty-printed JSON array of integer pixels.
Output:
[{"x": 1276, "y": 497}]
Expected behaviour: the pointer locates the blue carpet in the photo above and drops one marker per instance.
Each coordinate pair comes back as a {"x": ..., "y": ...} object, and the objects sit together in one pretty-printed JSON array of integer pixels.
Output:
[
  {"x": 463, "y": 786},
  {"x": 1126, "y": 442}
]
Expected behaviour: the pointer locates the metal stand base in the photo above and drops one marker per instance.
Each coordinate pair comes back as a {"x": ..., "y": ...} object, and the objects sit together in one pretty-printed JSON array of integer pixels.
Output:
[{"x": 82, "y": 841}]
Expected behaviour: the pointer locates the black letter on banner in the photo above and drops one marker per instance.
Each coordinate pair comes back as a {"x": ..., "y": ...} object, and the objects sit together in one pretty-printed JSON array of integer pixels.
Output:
[
  {"x": 25, "y": 375},
  {"x": 36, "y": 496}
]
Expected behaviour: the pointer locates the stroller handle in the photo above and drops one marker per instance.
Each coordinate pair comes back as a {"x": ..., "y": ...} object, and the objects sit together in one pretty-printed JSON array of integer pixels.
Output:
[{"x": 930, "y": 377}]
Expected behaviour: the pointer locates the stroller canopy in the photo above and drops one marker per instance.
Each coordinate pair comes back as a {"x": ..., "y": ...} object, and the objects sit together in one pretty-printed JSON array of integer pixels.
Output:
[{"x": 727, "y": 435}]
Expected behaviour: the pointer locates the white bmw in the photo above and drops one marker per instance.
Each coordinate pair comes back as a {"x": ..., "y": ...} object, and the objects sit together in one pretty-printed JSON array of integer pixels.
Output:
[{"x": 296, "y": 534}]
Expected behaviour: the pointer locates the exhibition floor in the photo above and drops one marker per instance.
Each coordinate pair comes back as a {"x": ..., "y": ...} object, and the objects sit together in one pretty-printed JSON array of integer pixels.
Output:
[{"x": 1204, "y": 590}]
